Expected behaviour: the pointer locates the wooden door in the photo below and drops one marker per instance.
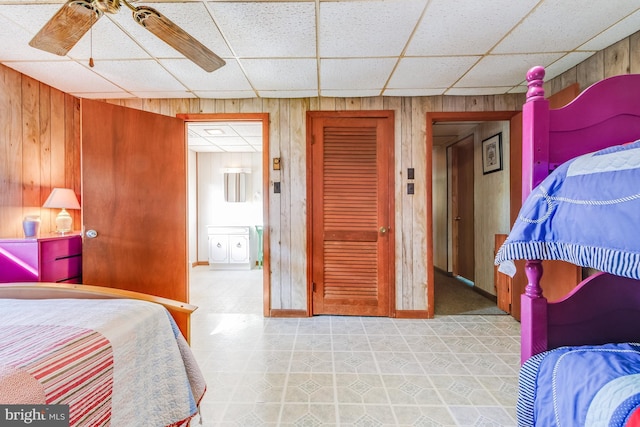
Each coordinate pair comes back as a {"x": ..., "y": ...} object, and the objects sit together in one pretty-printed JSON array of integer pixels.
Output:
[
  {"x": 351, "y": 209},
  {"x": 134, "y": 186},
  {"x": 462, "y": 209}
]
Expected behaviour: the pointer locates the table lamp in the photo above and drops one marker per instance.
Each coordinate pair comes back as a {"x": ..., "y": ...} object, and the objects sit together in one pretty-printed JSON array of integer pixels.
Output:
[{"x": 62, "y": 198}]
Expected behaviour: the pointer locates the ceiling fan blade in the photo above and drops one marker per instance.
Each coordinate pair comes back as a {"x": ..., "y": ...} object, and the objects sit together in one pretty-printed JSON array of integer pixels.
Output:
[
  {"x": 177, "y": 38},
  {"x": 66, "y": 27}
]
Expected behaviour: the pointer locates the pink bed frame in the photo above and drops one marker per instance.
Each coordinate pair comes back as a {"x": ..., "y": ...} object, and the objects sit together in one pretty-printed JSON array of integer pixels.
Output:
[{"x": 602, "y": 308}]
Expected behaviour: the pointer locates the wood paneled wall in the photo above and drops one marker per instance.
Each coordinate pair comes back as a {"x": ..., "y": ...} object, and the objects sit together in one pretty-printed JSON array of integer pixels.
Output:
[
  {"x": 40, "y": 149},
  {"x": 287, "y": 210}
]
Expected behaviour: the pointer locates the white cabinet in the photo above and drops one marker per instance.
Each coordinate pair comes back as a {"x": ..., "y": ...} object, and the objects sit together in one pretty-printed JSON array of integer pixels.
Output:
[{"x": 229, "y": 248}]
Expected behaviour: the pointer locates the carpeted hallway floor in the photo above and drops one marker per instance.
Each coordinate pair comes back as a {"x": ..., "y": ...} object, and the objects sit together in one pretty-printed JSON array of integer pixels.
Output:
[{"x": 452, "y": 296}]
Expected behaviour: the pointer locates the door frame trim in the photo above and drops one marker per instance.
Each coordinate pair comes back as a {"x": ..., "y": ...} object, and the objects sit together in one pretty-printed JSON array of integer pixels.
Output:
[
  {"x": 266, "y": 253},
  {"x": 450, "y": 116}
]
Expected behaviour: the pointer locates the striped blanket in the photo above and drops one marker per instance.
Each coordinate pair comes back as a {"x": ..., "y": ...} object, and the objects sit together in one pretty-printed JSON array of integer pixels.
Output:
[
  {"x": 114, "y": 362},
  {"x": 585, "y": 212}
]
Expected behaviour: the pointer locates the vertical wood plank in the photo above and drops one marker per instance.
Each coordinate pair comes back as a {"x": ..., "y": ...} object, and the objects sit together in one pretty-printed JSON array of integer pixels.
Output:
[
  {"x": 30, "y": 143},
  {"x": 298, "y": 203},
  {"x": 11, "y": 204},
  {"x": 616, "y": 58}
]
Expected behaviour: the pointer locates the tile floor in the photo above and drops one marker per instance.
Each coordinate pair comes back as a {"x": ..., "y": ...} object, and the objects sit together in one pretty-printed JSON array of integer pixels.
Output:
[{"x": 346, "y": 371}]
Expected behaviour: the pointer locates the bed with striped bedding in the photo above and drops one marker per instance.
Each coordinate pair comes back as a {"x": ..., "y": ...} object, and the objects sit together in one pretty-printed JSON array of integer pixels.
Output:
[{"x": 114, "y": 362}]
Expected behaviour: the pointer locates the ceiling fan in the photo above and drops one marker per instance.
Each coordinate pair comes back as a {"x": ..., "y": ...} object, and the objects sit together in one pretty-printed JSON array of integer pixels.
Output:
[{"x": 76, "y": 17}]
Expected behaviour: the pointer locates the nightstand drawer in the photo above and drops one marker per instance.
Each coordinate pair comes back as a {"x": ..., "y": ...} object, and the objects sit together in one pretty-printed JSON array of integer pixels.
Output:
[
  {"x": 54, "y": 249},
  {"x": 62, "y": 270}
]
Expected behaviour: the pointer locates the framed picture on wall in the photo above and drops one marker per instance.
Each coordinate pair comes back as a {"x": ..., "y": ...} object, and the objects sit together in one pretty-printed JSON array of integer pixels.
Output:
[{"x": 492, "y": 154}]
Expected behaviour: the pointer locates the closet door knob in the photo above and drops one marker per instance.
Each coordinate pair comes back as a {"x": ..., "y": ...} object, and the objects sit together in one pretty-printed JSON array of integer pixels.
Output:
[
  {"x": 219, "y": 245},
  {"x": 239, "y": 245}
]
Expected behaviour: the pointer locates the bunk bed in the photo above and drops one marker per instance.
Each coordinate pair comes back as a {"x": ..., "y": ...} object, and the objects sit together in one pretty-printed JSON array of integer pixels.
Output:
[
  {"x": 103, "y": 356},
  {"x": 581, "y": 204}
]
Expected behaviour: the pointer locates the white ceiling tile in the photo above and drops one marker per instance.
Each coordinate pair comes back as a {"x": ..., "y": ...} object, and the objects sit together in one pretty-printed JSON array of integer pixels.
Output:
[
  {"x": 31, "y": 17},
  {"x": 506, "y": 69},
  {"x": 195, "y": 78},
  {"x": 563, "y": 25},
  {"x": 268, "y": 29},
  {"x": 193, "y": 17},
  {"x": 434, "y": 72},
  {"x": 622, "y": 29},
  {"x": 292, "y": 74},
  {"x": 465, "y": 27},
  {"x": 197, "y": 141},
  {"x": 16, "y": 34},
  {"x": 366, "y": 28},
  {"x": 568, "y": 61},
  {"x": 226, "y": 141},
  {"x": 359, "y": 73},
  {"x": 105, "y": 40},
  {"x": 519, "y": 89},
  {"x": 248, "y": 129},
  {"x": 138, "y": 75},
  {"x": 65, "y": 75}
]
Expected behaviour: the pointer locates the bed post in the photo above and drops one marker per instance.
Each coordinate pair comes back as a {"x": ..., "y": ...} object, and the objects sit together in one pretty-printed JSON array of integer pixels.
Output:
[
  {"x": 535, "y": 133},
  {"x": 533, "y": 313}
]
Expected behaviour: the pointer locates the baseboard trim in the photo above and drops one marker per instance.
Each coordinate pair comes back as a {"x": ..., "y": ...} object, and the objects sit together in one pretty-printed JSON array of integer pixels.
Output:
[
  {"x": 288, "y": 313},
  {"x": 412, "y": 314},
  {"x": 197, "y": 263}
]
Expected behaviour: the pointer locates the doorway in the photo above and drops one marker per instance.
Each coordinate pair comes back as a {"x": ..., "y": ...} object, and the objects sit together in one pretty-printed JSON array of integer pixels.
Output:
[
  {"x": 228, "y": 205},
  {"x": 490, "y": 195}
]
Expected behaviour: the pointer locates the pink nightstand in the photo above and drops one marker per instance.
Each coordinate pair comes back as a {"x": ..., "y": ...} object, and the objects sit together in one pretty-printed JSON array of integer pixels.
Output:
[{"x": 53, "y": 258}]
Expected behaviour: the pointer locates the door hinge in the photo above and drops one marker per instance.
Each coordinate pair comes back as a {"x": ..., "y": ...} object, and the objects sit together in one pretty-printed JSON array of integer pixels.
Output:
[{"x": 313, "y": 287}]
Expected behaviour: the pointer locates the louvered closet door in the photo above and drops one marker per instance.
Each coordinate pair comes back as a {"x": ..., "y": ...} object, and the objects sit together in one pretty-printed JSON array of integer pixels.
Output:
[{"x": 352, "y": 267}]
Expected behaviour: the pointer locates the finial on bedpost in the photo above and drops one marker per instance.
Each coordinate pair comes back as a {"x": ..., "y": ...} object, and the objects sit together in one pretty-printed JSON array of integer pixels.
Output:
[
  {"x": 533, "y": 270},
  {"x": 535, "y": 80}
]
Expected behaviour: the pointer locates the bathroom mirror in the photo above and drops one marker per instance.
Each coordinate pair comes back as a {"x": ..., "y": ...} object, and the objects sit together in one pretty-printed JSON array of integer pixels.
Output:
[{"x": 235, "y": 187}]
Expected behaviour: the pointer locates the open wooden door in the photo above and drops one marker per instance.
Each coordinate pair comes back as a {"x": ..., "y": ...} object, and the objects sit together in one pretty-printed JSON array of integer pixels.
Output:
[
  {"x": 351, "y": 210},
  {"x": 134, "y": 189},
  {"x": 462, "y": 193}
]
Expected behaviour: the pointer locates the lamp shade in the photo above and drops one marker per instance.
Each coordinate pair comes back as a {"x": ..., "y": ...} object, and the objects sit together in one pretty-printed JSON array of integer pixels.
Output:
[{"x": 62, "y": 198}]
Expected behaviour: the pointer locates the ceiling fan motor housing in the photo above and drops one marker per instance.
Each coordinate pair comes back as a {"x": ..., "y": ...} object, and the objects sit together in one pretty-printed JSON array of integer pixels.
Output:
[{"x": 108, "y": 6}]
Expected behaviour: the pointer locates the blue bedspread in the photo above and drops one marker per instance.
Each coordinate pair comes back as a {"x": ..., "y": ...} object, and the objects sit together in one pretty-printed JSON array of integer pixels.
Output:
[
  {"x": 580, "y": 386},
  {"x": 586, "y": 212}
]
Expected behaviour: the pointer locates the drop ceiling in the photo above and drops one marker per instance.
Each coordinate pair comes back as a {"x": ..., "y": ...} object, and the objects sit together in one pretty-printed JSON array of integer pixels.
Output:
[
  {"x": 333, "y": 48},
  {"x": 225, "y": 137}
]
